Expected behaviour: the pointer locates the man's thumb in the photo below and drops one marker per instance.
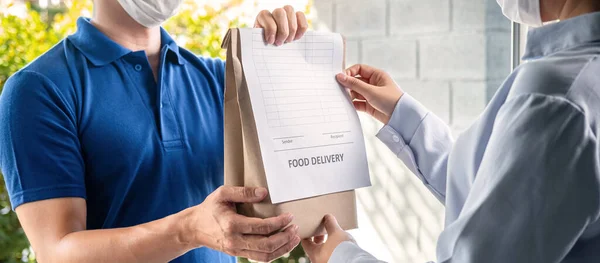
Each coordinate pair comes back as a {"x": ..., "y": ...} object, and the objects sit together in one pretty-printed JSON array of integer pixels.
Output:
[
  {"x": 354, "y": 84},
  {"x": 331, "y": 224},
  {"x": 236, "y": 194}
]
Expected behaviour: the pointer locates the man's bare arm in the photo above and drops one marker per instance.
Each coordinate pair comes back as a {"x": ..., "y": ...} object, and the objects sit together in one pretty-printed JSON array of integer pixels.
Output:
[{"x": 57, "y": 231}]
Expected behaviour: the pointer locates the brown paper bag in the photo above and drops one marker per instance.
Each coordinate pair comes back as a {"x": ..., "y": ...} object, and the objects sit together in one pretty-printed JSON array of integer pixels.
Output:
[{"x": 244, "y": 165}]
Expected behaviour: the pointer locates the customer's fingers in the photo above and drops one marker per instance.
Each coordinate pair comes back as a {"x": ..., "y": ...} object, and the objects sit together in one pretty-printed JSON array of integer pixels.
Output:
[
  {"x": 331, "y": 225},
  {"x": 356, "y": 96},
  {"x": 309, "y": 246},
  {"x": 363, "y": 70},
  {"x": 360, "y": 105},
  {"x": 355, "y": 84},
  {"x": 319, "y": 239}
]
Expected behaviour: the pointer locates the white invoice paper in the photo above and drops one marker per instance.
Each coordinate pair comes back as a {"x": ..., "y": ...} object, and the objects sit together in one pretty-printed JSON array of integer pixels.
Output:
[{"x": 309, "y": 133}]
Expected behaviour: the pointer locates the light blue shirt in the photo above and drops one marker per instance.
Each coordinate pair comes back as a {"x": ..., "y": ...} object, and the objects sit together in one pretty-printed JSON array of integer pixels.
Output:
[{"x": 522, "y": 184}]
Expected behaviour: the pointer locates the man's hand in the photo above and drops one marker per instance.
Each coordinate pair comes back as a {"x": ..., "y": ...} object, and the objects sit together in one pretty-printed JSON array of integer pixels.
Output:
[
  {"x": 284, "y": 25},
  {"x": 319, "y": 251},
  {"x": 372, "y": 90},
  {"x": 215, "y": 224}
]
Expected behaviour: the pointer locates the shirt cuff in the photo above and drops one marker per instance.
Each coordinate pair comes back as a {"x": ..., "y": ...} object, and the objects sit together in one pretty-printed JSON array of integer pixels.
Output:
[
  {"x": 391, "y": 138},
  {"x": 345, "y": 252},
  {"x": 39, "y": 194},
  {"x": 405, "y": 120},
  {"x": 407, "y": 117}
]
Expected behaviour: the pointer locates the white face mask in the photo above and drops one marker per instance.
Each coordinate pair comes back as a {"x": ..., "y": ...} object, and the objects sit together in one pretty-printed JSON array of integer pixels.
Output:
[
  {"x": 525, "y": 12},
  {"x": 150, "y": 13}
]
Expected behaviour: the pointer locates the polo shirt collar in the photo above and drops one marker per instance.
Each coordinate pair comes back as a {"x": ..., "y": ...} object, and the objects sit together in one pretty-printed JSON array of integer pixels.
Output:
[
  {"x": 101, "y": 50},
  {"x": 172, "y": 46},
  {"x": 573, "y": 32}
]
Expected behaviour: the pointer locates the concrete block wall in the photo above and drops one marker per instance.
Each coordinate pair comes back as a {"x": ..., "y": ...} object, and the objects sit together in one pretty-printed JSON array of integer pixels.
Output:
[{"x": 449, "y": 54}]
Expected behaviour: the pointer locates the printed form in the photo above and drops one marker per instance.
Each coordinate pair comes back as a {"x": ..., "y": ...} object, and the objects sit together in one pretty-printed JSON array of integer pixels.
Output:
[{"x": 310, "y": 136}]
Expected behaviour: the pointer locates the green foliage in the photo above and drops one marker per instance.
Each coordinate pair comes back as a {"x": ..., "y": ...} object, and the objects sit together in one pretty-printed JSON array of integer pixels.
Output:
[
  {"x": 21, "y": 41},
  {"x": 12, "y": 238},
  {"x": 198, "y": 27}
]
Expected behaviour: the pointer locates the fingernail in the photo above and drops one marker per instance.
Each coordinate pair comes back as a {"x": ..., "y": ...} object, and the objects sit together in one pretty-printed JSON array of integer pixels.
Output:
[
  {"x": 271, "y": 39},
  {"x": 296, "y": 227},
  {"x": 260, "y": 192},
  {"x": 279, "y": 43},
  {"x": 296, "y": 239},
  {"x": 290, "y": 217},
  {"x": 341, "y": 77}
]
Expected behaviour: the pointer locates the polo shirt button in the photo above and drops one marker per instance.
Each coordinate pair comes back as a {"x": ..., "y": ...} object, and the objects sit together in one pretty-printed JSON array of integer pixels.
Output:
[
  {"x": 138, "y": 67},
  {"x": 161, "y": 105},
  {"x": 395, "y": 138}
]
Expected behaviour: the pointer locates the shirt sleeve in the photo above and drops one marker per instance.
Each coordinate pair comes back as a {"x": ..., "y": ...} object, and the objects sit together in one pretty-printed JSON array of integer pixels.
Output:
[
  {"x": 40, "y": 152},
  {"x": 422, "y": 141},
  {"x": 536, "y": 190},
  {"x": 349, "y": 252},
  {"x": 217, "y": 68}
]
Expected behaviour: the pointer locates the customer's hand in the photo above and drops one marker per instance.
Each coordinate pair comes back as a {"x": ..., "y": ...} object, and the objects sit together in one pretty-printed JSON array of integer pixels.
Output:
[
  {"x": 215, "y": 224},
  {"x": 373, "y": 91},
  {"x": 319, "y": 251},
  {"x": 283, "y": 25}
]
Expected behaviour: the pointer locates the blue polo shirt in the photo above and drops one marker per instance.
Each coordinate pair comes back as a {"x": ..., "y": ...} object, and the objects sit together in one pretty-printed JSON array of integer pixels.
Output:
[{"x": 87, "y": 119}]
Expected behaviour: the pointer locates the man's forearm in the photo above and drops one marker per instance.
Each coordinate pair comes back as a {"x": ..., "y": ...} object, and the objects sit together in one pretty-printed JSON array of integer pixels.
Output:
[
  {"x": 57, "y": 231},
  {"x": 156, "y": 241}
]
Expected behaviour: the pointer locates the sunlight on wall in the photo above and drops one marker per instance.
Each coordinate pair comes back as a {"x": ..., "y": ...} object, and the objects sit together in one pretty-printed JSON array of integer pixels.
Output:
[{"x": 402, "y": 214}]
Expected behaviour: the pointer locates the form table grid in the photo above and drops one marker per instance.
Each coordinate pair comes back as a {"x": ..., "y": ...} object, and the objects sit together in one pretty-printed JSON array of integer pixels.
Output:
[{"x": 298, "y": 88}]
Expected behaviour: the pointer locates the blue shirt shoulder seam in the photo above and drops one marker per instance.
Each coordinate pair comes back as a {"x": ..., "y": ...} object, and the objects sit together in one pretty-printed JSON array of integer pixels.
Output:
[{"x": 54, "y": 87}]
